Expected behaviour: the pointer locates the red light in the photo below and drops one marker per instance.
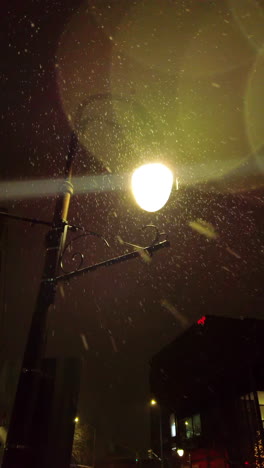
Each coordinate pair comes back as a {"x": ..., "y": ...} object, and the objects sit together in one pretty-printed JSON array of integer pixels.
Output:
[
  {"x": 202, "y": 320},
  {"x": 246, "y": 463}
]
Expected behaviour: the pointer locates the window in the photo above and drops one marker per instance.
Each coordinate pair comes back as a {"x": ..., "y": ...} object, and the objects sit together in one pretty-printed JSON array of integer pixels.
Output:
[
  {"x": 173, "y": 425},
  {"x": 196, "y": 424},
  {"x": 190, "y": 427},
  {"x": 262, "y": 414},
  {"x": 260, "y": 395},
  {"x": 261, "y": 406}
]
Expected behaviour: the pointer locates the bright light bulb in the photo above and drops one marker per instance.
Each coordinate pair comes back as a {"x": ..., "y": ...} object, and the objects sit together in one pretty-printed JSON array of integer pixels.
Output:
[
  {"x": 76, "y": 419},
  {"x": 151, "y": 186},
  {"x": 180, "y": 452},
  {"x": 153, "y": 402}
]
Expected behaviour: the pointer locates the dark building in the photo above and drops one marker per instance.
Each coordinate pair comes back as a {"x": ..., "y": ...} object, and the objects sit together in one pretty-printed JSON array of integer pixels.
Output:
[{"x": 209, "y": 388}]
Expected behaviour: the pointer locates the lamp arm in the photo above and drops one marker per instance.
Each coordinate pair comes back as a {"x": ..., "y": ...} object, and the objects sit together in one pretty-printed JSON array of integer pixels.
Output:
[{"x": 122, "y": 258}]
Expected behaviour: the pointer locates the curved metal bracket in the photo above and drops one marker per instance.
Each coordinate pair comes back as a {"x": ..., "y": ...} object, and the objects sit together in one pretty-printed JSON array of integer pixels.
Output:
[
  {"x": 138, "y": 251},
  {"x": 79, "y": 254},
  {"x": 112, "y": 261}
]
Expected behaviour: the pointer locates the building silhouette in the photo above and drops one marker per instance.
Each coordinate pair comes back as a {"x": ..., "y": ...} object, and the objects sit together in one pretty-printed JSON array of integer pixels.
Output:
[{"x": 209, "y": 388}]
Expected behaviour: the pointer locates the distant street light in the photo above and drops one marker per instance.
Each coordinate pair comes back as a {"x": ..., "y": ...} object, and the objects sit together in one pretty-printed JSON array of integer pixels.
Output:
[
  {"x": 180, "y": 452},
  {"x": 151, "y": 186},
  {"x": 154, "y": 402}
]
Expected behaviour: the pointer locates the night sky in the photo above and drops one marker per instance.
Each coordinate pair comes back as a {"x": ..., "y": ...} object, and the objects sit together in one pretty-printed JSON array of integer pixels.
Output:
[{"x": 177, "y": 81}]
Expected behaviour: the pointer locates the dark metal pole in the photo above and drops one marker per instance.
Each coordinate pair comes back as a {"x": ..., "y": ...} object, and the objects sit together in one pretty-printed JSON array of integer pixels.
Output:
[
  {"x": 94, "y": 447},
  {"x": 21, "y": 447},
  {"x": 161, "y": 438}
]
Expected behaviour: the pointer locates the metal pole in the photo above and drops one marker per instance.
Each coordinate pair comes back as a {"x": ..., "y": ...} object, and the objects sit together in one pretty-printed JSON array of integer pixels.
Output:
[
  {"x": 190, "y": 460},
  {"x": 21, "y": 446},
  {"x": 94, "y": 447},
  {"x": 161, "y": 438}
]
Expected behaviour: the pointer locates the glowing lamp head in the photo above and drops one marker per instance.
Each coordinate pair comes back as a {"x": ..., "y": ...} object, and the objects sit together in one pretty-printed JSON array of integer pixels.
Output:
[
  {"x": 180, "y": 452},
  {"x": 153, "y": 402},
  {"x": 76, "y": 419},
  {"x": 151, "y": 186}
]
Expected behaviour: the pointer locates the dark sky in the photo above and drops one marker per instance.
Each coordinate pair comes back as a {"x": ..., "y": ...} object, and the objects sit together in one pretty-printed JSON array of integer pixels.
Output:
[{"x": 181, "y": 82}]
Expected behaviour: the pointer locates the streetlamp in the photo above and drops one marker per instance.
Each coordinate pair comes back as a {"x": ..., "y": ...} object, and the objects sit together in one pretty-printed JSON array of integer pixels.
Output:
[
  {"x": 20, "y": 448},
  {"x": 151, "y": 186},
  {"x": 153, "y": 402},
  {"x": 181, "y": 452},
  {"x": 77, "y": 420}
]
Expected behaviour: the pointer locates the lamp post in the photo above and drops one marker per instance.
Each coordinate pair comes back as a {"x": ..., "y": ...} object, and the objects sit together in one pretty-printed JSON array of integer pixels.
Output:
[
  {"x": 154, "y": 403},
  {"x": 76, "y": 421},
  {"x": 20, "y": 448},
  {"x": 181, "y": 453}
]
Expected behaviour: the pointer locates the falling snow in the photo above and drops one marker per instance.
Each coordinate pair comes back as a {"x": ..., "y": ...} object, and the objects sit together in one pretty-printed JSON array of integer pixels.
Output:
[{"x": 176, "y": 82}]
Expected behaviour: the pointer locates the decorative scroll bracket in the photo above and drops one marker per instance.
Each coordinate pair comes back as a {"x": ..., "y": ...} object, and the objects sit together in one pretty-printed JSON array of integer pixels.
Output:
[{"x": 156, "y": 244}]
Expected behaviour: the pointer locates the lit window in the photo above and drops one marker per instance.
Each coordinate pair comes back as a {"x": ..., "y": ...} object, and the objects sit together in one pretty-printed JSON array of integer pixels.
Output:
[
  {"x": 261, "y": 405},
  {"x": 172, "y": 425},
  {"x": 248, "y": 398},
  {"x": 196, "y": 424},
  {"x": 190, "y": 427}
]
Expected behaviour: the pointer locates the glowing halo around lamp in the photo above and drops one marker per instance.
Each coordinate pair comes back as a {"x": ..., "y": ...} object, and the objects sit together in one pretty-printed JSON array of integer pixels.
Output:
[{"x": 151, "y": 186}]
